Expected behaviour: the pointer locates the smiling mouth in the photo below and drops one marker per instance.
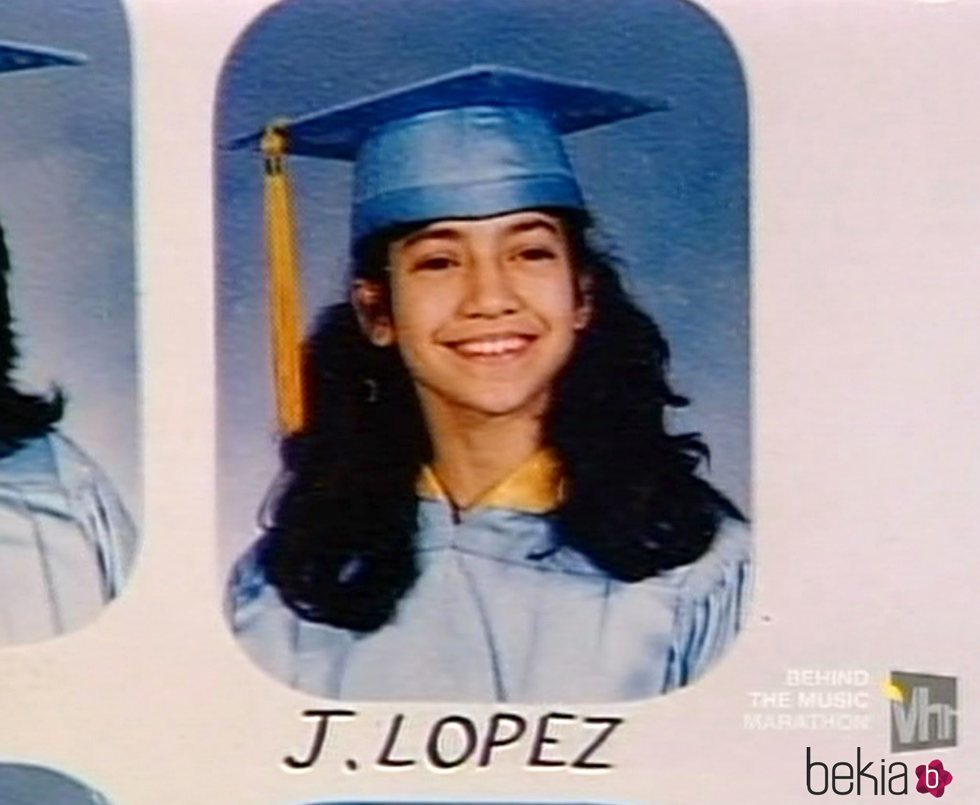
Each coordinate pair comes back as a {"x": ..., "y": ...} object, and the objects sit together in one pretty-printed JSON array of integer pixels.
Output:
[{"x": 497, "y": 347}]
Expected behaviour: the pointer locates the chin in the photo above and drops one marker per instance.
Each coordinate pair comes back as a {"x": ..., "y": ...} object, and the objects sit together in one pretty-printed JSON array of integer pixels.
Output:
[
  {"x": 498, "y": 402},
  {"x": 505, "y": 407}
]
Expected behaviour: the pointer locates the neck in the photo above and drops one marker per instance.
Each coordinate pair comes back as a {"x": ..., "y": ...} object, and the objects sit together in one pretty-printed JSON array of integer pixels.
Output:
[{"x": 473, "y": 452}]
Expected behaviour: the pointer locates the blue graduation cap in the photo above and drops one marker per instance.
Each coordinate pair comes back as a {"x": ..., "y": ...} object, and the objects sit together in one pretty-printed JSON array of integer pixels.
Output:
[
  {"x": 468, "y": 144},
  {"x": 17, "y": 56},
  {"x": 474, "y": 143}
]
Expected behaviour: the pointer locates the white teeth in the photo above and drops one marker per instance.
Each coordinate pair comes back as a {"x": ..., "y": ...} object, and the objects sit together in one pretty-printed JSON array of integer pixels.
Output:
[{"x": 491, "y": 346}]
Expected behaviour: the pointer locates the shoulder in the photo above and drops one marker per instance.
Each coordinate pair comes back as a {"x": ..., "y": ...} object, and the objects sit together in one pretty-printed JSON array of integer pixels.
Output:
[
  {"x": 727, "y": 560},
  {"x": 247, "y": 581},
  {"x": 304, "y": 655},
  {"x": 253, "y": 605},
  {"x": 32, "y": 460},
  {"x": 54, "y": 456},
  {"x": 711, "y": 603},
  {"x": 724, "y": 563},
  {"x": 51, "y": 475},
  {"x": 98, "y": 507},
  {"x": 87, "y": 483},
  {"x": 73, "y": 463}
]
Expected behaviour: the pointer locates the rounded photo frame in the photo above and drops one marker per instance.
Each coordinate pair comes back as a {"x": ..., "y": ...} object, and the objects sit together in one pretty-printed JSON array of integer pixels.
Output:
[{"x": 403, "y": 552}]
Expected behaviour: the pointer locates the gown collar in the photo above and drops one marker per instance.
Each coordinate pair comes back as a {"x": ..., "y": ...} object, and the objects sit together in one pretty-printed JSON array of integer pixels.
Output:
[
  {"x": 534, "y": 486},
  {"x": 510, "y": 523}
]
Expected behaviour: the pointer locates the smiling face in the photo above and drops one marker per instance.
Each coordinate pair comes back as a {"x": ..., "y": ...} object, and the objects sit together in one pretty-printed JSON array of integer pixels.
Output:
[{"x": 484, "y": 312}]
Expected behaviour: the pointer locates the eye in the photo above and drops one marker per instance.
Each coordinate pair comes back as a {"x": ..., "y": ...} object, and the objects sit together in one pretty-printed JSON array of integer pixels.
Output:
[
  {"x": 435, "y": 262},
  {"x": 533, "y": 254}
]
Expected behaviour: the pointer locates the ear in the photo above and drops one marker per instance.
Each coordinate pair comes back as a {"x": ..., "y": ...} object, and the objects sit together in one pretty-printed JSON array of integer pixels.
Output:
[
  {"x": 584, "y": 297},
  {"x": 373, "y": 313}
]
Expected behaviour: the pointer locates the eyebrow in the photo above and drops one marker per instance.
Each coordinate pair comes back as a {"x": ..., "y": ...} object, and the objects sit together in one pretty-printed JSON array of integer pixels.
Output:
[
  {"x": 529, "y": 226},
  {"x": 450, "y": 233},
  {"x": 438, "y": 233}
]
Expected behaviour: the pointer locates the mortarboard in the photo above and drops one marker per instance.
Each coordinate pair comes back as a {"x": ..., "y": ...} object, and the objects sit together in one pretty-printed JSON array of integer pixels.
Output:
[
  {"x": 469, "y": 144},
  {"x": 16, "y": 56}
]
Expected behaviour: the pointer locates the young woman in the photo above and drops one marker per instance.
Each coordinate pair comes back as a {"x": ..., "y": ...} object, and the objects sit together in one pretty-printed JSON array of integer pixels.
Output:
[
  {"x": 66, "y": 542},
  {"x": 484, "y": 502}
]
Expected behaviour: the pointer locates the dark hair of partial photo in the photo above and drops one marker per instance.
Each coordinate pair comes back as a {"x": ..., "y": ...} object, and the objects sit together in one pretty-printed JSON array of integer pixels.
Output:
[
  {"x": 22, "y": 416},
  {"x": 339, "y": 544}
]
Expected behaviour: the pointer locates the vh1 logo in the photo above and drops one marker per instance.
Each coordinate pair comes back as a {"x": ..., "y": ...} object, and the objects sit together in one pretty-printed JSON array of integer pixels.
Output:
[{"x": 923, "y": 711}]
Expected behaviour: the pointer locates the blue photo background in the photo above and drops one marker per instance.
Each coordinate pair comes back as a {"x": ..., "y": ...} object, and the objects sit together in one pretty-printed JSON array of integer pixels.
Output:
[
  {"x": 670, "y": 190},
  {"x": 66, "y": 204}
]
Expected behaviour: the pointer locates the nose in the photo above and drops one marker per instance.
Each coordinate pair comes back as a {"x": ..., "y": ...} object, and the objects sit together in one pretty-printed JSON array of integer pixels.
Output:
[{"x": 489, "y": 288}]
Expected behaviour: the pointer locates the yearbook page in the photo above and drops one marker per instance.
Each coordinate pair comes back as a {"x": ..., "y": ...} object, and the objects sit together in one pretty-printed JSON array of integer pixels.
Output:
[{"x": 507, "y": 402}]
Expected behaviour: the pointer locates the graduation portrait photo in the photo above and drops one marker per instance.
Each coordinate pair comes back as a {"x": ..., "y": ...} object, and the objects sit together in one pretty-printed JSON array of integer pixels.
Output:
[
  {"x": 483, "y": 348},
  {"x": 69, "y": 453}
]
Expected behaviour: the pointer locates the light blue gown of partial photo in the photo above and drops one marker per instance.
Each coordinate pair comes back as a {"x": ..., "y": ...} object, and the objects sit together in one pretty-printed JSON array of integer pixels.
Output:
[
  {"x": 498, "y": 614},
  {"x": 32, "y": 785},
  {"x": 66, "y": 542}
]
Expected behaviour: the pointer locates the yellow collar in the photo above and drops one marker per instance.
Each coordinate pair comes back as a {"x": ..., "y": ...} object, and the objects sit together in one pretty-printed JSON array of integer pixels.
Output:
[{"x": 535, "y": 486}]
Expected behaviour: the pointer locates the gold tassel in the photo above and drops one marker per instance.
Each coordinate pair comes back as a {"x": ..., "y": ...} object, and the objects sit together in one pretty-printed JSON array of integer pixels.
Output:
[{"x": 285, "y": 304}]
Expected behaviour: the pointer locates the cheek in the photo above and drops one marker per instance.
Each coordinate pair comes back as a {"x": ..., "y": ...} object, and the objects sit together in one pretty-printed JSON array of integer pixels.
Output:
[
  {"x": 557, "y": 301},
  {"x": 417, "y": 314}
]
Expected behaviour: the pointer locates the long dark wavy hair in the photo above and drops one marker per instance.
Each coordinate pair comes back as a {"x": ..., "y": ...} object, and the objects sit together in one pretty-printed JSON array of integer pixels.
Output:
[
  {"x": 22, "y": 416},
  {"x": 339, "y": 545}
]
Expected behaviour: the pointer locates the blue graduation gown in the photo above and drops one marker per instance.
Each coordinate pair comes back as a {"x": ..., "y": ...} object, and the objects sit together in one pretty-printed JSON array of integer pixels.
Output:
[
  {"x": 66, "y": 542},
  {"x": 498, "y": 615}
]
